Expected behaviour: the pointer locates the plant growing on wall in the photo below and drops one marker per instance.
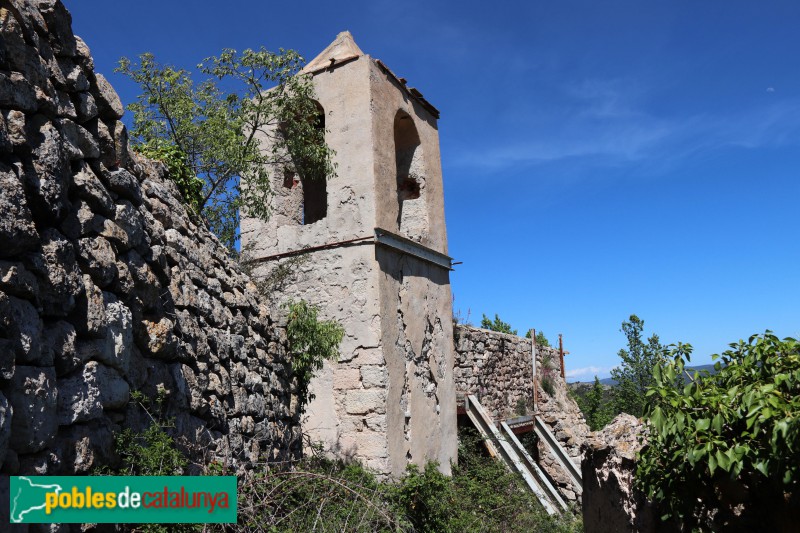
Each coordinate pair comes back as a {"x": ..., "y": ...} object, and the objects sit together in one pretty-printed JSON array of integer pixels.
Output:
[
  {"x": 541, "y": 340},
  {"x": 715, "y": 438},
  {"x": 217, "y": 133},
  {"x": 311, "y": 342},
  {"x": 180, "y": 172},
  {"x": 548, "y": 374},
  {"x": 151, "y": 452},
  {"x": 497, "y": 325}
]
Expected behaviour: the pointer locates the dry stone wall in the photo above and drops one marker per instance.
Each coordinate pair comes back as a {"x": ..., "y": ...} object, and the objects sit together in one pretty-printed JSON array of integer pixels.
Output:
[
  {"x": 496, "y": 367},
  {"x": 108, "y": 285}
]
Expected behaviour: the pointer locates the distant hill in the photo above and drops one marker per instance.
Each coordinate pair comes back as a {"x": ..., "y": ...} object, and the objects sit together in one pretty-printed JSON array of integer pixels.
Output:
[
  {"x": 610, "y": 382},
  {"x": 581, "y": 388}
]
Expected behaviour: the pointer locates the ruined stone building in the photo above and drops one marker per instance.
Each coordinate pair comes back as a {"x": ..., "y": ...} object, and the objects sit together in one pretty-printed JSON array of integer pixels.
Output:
[
  {"x": 374, "y": 257},
  {"x": 369, "y": 247},
  {"x": 108, "y": 285}
]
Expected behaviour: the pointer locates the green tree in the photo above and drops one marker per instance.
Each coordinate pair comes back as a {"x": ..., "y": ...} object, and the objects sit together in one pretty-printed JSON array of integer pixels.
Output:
[
  {"x": 718, "y": 440},
  {"x": 541, "y": 340},
  {"x": 497, "y": 325},
  {"x": 212, "y": 139},
  {"x": 635, "y": 374},
  {"x": 596, "y": 410}
]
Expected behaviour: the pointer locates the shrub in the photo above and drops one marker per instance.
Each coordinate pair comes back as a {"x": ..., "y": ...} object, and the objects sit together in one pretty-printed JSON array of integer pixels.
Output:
[
  {"x": 311, "y": 342},
  {"x": 319, "y": 494},
  {"x": 720, "y": 440}
]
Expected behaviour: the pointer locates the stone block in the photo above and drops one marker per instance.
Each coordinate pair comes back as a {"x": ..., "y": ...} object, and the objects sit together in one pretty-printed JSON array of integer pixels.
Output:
[
  {"x": 125, "y": 184},
  {"x": 369, "y": 356},
  {"x": 371, "y": 444},
  {"x": 17, "y": 231},
  {"x": 373, "y": 376},
  {"x": 359, "y": 402},
  {"x": 108, "y": 101},
  {"x": 25, "y": 330},
  {"x": 376, "y": 422},
  {"x": 33, "y": 398},
  {"x": 97, "y": 258},
  {"x": 346, "y": 378},
  {"x": 84, "y": 395},
  {"x": 15, "y": 280},
  {"x": 59, "y": 345}
]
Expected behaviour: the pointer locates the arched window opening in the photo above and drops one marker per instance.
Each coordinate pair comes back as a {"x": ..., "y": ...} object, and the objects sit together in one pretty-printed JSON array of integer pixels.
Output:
[
  {"x": 303, "y": 199},
  {"x": 412, "y": 217},
  {"x": 314, "y": 183}
]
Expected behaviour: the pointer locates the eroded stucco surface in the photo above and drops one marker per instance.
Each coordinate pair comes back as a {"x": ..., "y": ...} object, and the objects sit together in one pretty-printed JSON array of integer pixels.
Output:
[{"x": 390, "y": 399}]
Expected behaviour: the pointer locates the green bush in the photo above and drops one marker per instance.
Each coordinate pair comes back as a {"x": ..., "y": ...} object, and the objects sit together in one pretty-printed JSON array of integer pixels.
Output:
[
  {"x": 716, "y": 440},
  {"x": 178, "y": 168},
  {"x": 541, "y": 340},
  {"x": 151, "y": 452},
  {"x": 497, "y": 325},
  {"x": 311, "y": 342}
]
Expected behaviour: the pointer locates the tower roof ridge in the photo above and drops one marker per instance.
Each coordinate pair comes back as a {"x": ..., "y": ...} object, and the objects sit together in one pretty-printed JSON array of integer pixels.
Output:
[{"x": 342, "y": 48}]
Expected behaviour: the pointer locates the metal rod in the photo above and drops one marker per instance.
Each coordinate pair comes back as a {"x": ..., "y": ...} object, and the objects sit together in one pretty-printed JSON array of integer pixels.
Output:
[{"x": 302, "y": 251}]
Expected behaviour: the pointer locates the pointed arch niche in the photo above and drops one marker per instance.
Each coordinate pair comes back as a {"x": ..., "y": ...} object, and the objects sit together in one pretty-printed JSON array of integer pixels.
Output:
[{"x": 412, "y": 212}]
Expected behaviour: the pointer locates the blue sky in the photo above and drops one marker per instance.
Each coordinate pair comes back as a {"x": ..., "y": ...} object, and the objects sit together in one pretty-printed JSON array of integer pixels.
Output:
[{"x": 600, "y": 158}]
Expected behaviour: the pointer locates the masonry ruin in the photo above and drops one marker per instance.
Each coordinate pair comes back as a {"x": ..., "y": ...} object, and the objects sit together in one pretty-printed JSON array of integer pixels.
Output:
[
  {"x": 109, "y": 285},
  {"x": 376, "y": 261}
]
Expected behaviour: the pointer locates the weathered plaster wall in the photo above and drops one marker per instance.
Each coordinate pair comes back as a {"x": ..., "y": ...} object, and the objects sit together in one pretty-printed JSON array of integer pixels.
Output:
[
  {"x": 108, "y": 285},
  {"x": 348, "y": 413},
  {"x": 416, "y": 302},
  {"x": 417, "y": 343},
  {"x": 497, "y": 368},
  {"x": 390, "y": 398}
]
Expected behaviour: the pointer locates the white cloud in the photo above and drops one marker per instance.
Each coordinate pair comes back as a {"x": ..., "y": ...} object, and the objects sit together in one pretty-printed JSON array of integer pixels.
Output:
[
  {"x": 605, "y": 123},
  {"x": 587, "y": 371}
]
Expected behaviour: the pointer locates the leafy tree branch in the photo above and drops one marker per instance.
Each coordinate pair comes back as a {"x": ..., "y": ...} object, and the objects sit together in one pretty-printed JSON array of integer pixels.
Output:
[
  {"x": 311, "y": 342},
  {"x": 251, "y": 114}
]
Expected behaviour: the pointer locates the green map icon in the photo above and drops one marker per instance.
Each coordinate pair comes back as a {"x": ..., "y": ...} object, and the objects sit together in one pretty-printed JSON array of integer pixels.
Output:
[{"x": 28, "y": 497}]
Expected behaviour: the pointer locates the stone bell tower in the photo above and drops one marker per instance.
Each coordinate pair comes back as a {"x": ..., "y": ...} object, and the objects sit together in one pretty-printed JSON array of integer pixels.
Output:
[{"x": 369, "y": 247}]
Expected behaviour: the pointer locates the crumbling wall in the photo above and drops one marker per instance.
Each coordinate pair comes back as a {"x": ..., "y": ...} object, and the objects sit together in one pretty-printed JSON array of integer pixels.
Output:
[
  {"x": 108, "y": 285},
  {"x": 497, "y": 368},
  {"x": 610, "y": 503}
]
